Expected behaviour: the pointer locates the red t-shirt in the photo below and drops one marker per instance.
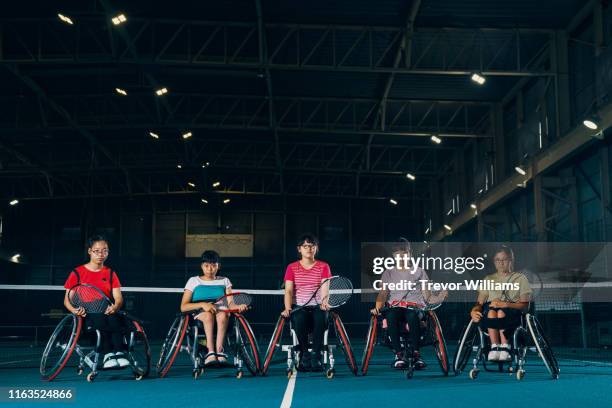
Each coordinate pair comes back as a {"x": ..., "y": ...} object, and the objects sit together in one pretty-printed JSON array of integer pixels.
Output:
[
  {"x": 100, "y": 279},
  {"x": 306, "y": 281}
]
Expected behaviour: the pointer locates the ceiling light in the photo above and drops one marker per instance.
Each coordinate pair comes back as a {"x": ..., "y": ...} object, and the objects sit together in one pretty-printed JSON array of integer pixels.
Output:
[
  {"x": 119, "y": 19},
  {"x": 392, "y": 201},
  {"x": 190, "y": 184},
  {"x": 479, "y": 79},
  {"x": 154, "y": 135},
  {"x": 447, "y": 227},
  {"x": 187, "y": 135},
  {"x": 179, "y": 166},
  {"x": 592, "y": 122},
  {"x": 161, "y": 91},
  {"x": 520, "y": 170},
  {"x": 436, "y": 139},
  {"x": 65, "y": 19},
  {"x": 204, "y": 201},
  {"x": 226, "y": 201},
  {"x": 121, "y": 91},
  {"x": 216, "y": 184},
  {"x": 14, "y": 202},
  {"x": 473, "y": 206},
  {"x": 411, "y": 176}
]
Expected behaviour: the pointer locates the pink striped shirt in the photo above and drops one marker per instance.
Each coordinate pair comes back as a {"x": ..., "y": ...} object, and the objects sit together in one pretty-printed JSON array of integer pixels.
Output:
[{"x": 306, "y": 281}]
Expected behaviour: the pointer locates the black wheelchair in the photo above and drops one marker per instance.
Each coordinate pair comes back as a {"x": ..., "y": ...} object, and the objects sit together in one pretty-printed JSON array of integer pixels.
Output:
[
  {"x": 73, "y": 334},
  {"x": 431, "y": 335},
  {"x": 186, "y": 334},
  {"x": 474, "y": 339},
  {"x": 329, "y": 361}
]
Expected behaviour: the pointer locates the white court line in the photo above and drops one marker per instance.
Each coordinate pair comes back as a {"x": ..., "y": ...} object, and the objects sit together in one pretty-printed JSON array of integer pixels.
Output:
[
  {"x": 288, "y": 397},
  {"x": 18, "y": 361}
]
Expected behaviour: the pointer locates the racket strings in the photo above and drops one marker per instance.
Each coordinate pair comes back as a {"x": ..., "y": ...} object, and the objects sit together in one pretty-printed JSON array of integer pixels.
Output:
[
  {"x": 340, "y": 290},
  {"x": 236, "y": 299},
  {"x": 89, "y": 298}
]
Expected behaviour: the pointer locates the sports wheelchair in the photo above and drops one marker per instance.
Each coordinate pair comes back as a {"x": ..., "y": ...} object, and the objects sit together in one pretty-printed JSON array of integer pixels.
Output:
[
  {"x": 474, "y": 338},
  {"x": 187, "y": 334},
  {"x": 328, "y": 349},
  {"x": 71, "y": 329},
  {"x": 431, "y": 334}
]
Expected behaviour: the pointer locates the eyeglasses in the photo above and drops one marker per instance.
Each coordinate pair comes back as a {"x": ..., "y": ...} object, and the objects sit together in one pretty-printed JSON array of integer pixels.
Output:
[
  {"x": 100, "y": 252},
  {"x": 308, "y": 246}
]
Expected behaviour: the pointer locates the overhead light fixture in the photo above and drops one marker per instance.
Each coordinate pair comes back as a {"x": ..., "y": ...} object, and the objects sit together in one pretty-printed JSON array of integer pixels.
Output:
[
  {"x": 119, "y": 19},
  {"x": 161, "y": 91},
  {"x": 449, "y": 212},
  {"x": 121, "y": 91},
  {"x": 520, "y": 170},
  {"x": 522, "y": 185},
  {"x": 15, "y": 258},
  {"x": 473, "y": 206},
  {"x": 154, "y": 135},
  {"x": 592, "y": 122},
  {"x": 187, "y": 135},
  {"x": 447, "y": 227},
  {"x": 427, "y": 231},
  {"x": 480, "y": 191},
  {"x": 179, "y": 166},
  {"x": 65, "y": 19},
  {"x": 479, "y": 79},
  {"x": 226, "y": 201},
  {"x": 411, "y": 176},
  {"x": 436, "y": 139},
  {"x": 392, "y": 201},
  {"x": 14, "y": 202},
  {"x": 190, "y": 184},
  {"x": 216, "y": 184},
  {"x": 205, "y": 165},
  {"x": 204, "y": 201}
]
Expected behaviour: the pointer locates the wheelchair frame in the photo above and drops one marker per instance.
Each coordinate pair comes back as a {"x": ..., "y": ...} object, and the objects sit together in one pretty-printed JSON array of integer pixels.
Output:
[{"x": 88, "y": 356}]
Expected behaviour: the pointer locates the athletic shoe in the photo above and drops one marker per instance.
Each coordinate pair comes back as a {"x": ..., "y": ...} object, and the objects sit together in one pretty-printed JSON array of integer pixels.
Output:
[
  {"x": 109, "y": 361},
  {"x": 303, "y": 361},
  {"x": 504, "y": 354},
  {"x": 121, "y": 360},
  {"x": 315, "y": 363},
  {"x": 399, "y": 362},
  {"x": 419, "y": 364},
  {"x": 494, "y": 353}
]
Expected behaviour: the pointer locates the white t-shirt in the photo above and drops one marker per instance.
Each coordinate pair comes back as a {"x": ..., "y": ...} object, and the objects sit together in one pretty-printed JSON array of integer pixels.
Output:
[{"x": 207, "y": 290}]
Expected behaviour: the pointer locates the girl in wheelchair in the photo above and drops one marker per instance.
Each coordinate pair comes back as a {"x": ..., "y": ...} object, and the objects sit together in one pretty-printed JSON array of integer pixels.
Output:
[
  {"x": 199, "y": 295},
  {"x": 110, "y": 324},
  {"x": 302, "y": 278},
  {"x": 398, "y": 317},
  {"x": 499, "y": 311}
]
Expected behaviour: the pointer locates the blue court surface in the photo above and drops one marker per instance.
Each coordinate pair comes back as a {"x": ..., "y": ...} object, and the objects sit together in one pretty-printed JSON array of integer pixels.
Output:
[{"x": 580, "y": 384}]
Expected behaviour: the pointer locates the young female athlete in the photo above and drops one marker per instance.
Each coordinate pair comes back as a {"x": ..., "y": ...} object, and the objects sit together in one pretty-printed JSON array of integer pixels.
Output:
[
  {"x": 110, "y": 324},
  {"x": 499, "y": 311},
  {"x": 199, "y": 295},
  {"x": 302, "y": 278}
]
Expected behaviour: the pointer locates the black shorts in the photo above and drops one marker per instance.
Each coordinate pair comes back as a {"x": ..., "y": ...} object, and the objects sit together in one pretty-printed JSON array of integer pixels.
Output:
[{"x": 510, "y": 322}]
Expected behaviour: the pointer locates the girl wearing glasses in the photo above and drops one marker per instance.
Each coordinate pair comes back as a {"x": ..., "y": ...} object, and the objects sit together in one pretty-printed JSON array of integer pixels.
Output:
[
  {"x": 302, "y": 278},
  {"x": 110, "y": 324},
  {"x": 499, "y": 311}
]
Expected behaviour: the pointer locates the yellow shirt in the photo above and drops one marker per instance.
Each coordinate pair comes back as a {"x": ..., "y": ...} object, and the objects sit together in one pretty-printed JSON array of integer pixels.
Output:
[{"x": 523, "y": 294}]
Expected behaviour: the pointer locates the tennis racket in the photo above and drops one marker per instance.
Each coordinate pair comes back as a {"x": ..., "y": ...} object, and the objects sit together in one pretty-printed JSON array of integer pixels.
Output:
[
  {"x": 431, "y": 299},
  {"x": 334, "y": 291},
  {"x": 88, "y": 297},
  {"x": 232, "y": 302}
]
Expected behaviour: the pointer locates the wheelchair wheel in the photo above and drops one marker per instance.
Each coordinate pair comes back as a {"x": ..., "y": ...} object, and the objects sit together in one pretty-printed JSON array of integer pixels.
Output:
[
  {"x": 345, "y": 342},
  {"x": 139, "y": 351},
  {"x": 369, "y": 345},
  {"x": 435, "y": 334},
  {"x": 465, "y": 347},
  {"x": 172, "y": 344},
  {"x": 60, "y": 346},
  {"x": 543, "y": 346},
  {"x": 276, "y": 336},
  {"x": 246, "y": 344}
]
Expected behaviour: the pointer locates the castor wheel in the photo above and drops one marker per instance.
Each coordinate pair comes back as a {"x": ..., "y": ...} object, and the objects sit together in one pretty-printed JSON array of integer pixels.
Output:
[
  {"x": 80, "y": 371},
  {"x": 474, "y": 373},
  {"x": 91, "y": 376},
  {"x": 520, "y": 374},
  {"x": 239, "y": 374},
  {"x": 139, "y": 377},
  {"x": 330, "y": 373}
]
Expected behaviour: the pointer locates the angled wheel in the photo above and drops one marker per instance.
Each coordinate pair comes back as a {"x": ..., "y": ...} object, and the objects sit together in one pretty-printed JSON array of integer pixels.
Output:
[
  {"x": 344, "y": 342},
  {"x": 274, "y": 340},
  {"x": 436, "y": 336},
  {"x": 139, "y": 351},
  {"x": 465, "y": 347},
  {"x": 172, "y": 344},
  {"x": 543, "y": 346},
  {"x": 60, "y": 346},
  {"x": 369, "y": 345},
  {"x": 246, "y": 344}
]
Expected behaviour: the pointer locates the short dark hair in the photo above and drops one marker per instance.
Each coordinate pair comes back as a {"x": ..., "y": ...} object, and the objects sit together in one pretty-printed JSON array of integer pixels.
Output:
[
  {"x": 95, "y": 238},
  {"x": 307, "y": 238},
  {"x": 210, "y": 257}
]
